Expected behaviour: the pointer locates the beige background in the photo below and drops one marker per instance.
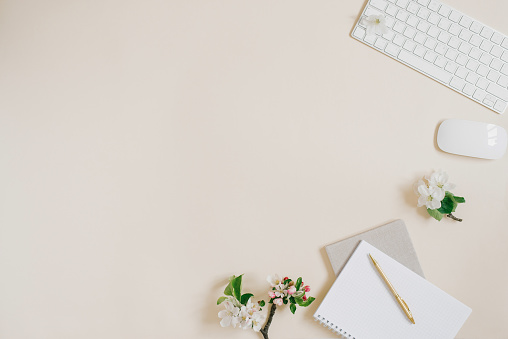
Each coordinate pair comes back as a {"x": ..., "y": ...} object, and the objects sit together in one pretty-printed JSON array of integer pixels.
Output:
[{"x": 150, "y": 149}]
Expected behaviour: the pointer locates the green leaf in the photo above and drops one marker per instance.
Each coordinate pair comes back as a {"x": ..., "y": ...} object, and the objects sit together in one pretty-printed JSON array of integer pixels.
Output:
[
  {"x": 292, "y": 300},
  {"x": 459, "y": 200},
  {"x": 262, "y": 303},
  {"x": 237, "y": 287},
  {"x": 292, "y": 307},
  {"x": 447, "y": 205},
  {"x": 245, "y": 298},
  {"x": 435, "y": 214},
  {"x": 221, "y": 299},
  {"x": 305, "y": 303},
  {"x": 229, "y": 288},
  {"x": 285, "y": 300},
  {"x": 298, "y": 283}
]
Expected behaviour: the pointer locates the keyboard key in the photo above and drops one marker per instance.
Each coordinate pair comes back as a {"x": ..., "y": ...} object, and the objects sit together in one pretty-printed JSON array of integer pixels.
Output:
[
  {"x": 493, "y": 75},
  {"x": 486, "y": 32},
  {"x": 392, "y": 50},
  {"x": 461, "y": 59},
  {"x": 472, "y": 65},
  {"x": 379, "y": 4},
  {"x": 444, "y": 37},
  {"x": 420, "y": 38},
  {"x": 476, "y": 27},
  {"x": 454, "y": 42},
  {"x": 465, "y": 48},
  {"x": 482, "y": 83},
  {"x": 423, "y": 26},
  {"x": 461, "y": 72},
  {"x": 410, "y": 32},
  {"x": 457, "y": 83},
  {"x": 479, "y": 95},
  {"x": 465, "y": 21},
  {"x": 412, "y": 21},
  {"x": 441, "y": 62},
  {"x": 359, "y": 32},
  {"x": 451, "y": 54},
  {"x": 370, "y": 39},
  {"x": 465, "y": 35},
  {"x": 409, "y": 45},
  {"x": 496, "y": 64},
  {"x": 423, "y": 13},
  {"x": 444, "y": 11},
  {"x": 503, "y": 81},
  {"x": 505, "y": 43},
  {"x": 430, "y": 56},
  {"x": 455, "y": 16},
  {"x": 496, "y": 38},
  {"x": 451, "y": 67},
  {"x": 390, "y": 21},
  {"x": 420, "y": 51},
  {"x": 413, "y": 7},
  {"x": 402, "y": 15},
  {"x": 475, "y": 40},
  {"x": 496, "y": 51},
  {"x": 475, "y": 53},
  {"x": 433, "y": 31},
  {"x": 472, "y": 78},
  {"x": 389, "y": 35},
  {"x": 399, "y": 27},
  {"x": 398, "y": 40},
  {"x": 430, "y": 43},
  {"x": 423, "y": 2},
  {"x": 486, "y": 59},
  {"x": 381, "y": 43},
  {"x": 483, "y": 70},
  {"x": 444, "y": 24},
  {"x": 434, "y": 6},
  {"x": 486, "y": 45},
  {"x": 392, "y": 10},
  {"x": 434, "y": 18},
  {"x": 489, "y": 101},
  {"x": 468, "y": 89},
  {"x": 402, "y": 3},
  {"x": 500, "y": 106},
  {"x": 425, "y": 67},
  {"x": 441, "y": 49},
  {"x": 504, "y": 69},
  {"x": 504, "y": 57},
  {"x": 454, "y": 29}
]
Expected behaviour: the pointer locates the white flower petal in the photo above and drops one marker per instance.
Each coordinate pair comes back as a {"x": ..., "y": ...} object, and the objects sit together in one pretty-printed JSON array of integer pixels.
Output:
[{"x": 225, "y": 322}]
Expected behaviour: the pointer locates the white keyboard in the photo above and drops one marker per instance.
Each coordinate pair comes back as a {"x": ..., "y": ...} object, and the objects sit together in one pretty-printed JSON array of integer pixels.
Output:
[{"x": 444, "y": 44}]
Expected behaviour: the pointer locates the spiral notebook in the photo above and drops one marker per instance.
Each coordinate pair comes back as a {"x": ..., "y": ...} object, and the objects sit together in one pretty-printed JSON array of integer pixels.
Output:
[{"x": 359, "y": 305}]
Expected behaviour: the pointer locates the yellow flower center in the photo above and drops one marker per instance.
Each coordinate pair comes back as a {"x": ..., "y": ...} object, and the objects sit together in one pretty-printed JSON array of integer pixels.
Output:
[{"x": 378, "y": 21}]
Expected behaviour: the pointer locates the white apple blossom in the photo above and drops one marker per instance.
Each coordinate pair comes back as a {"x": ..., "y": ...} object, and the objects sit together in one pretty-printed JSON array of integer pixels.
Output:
[
  {"x": 274, "y": 280},
  {"x": 229, "y": 316},
  {"x": 439, "y": 179},
  {"x": 430, "y": 196},
  {"x": 258, "y": 320},
  {"x": 375, "y": 24}
]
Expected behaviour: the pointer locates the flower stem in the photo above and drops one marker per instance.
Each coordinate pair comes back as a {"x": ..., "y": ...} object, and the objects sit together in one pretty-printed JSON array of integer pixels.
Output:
[
  {"x": 264, "y": 330},
  {"x": 451, "y": 216}
]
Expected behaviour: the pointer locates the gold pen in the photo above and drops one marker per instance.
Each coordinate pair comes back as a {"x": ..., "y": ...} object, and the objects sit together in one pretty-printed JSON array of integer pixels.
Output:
[{"x": 401, "y": 302}]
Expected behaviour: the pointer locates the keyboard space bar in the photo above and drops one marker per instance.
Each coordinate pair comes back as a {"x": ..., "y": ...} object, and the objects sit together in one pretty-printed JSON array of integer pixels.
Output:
[{"x": 425, "y": 67}]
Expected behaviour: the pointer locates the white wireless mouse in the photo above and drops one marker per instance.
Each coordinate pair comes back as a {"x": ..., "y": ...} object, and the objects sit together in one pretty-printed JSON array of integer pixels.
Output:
[{"x": 472, "y": 139}]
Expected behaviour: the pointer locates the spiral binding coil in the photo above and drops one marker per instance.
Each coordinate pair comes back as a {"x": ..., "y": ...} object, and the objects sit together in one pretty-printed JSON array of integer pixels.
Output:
[{"x": 334, "y": 328}]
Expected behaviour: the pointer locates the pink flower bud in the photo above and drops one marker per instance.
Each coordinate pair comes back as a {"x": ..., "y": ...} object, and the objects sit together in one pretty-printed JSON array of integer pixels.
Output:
[
  {"x": 292, "y": 290},
  {"x": 278, "y": 301},
  {"x": 285, "y": 278},
  {"x": 271, "y": 294},
  {"x": 304, "y": 298},
  {"x": 307, "y": 288}
]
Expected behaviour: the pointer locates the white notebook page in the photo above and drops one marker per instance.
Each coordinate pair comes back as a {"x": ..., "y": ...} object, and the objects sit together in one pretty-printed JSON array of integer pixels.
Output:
[{"x": 359, "y": 304}]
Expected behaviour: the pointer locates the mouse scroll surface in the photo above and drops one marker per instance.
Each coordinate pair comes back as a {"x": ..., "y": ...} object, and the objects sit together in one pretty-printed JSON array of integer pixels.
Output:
[{"x": 472, "y": 139}]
